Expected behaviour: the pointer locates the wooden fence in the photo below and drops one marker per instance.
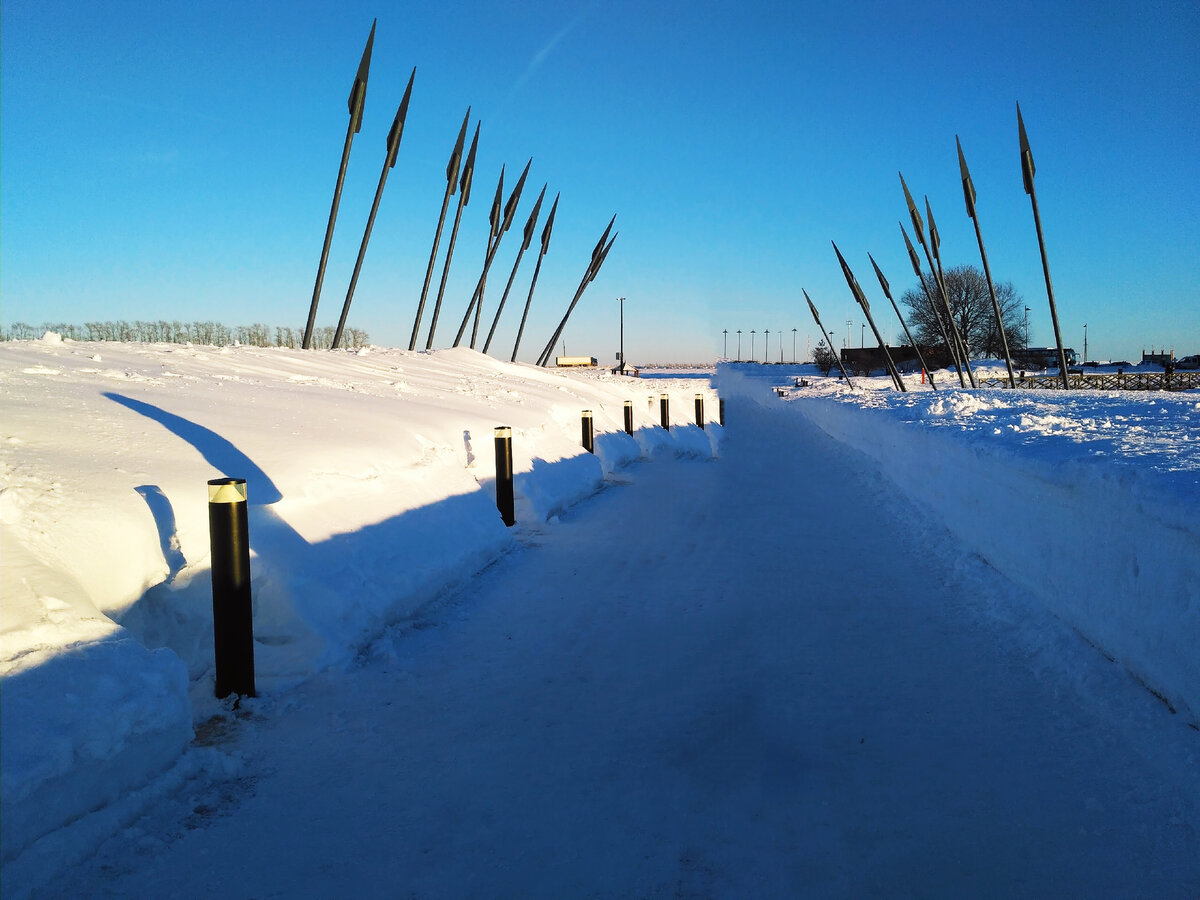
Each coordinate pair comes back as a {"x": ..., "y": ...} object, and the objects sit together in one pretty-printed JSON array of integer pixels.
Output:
[{"x": 1105, "y": 381}]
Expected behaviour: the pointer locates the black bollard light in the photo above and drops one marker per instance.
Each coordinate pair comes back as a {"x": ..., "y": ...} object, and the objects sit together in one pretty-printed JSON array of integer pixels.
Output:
[
  {"x": 721, "y": 411},
  {"x": 588, "y": 444},
  {"x": 504, "y": 475},
  {"x": 664, "y": 411},
  {"x": 629, "y": 417},
  {"x": 233, "y": 627},
  {"x": 700, "y": 410}
]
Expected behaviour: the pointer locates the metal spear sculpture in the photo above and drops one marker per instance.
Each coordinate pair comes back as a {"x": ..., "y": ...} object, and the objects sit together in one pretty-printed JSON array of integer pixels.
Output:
[
  {"x": 389, "y": 162},
  {"x": 451, "y": 185},
  {"x": 510, "y": 211},
  {"x": 969, "y": 198},
  {"x": 530, "y": 225},
  {"x": 599, "y": 253},
  {"x": 500, "y": 223},
  {"x": 861, "y": 298},
  {"x": 821, "y": 328},
  {"x": 887, "y": 292},
  {"x": 953, "y": 338},
  {"x": 358, "y": 96},
  {"x": 937, "y": 316},
  {"x": 1027, "y": 170},
  {"x": 935, "y": 243},
  {"x": 549, "y": 226},
  {"x": 464, "y": 197}
]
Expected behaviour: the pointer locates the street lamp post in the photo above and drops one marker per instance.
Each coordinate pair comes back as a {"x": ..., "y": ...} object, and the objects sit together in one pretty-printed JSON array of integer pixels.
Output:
[
  {"x": 793, "y": 346},
  {"x": 739, "y": 334},
  {"x": 1027, "y": 328},
  {"x": 725, "y": 353},
  {"x": 1085, "y": 342},
  {"x": 752, "y": 356},
  {"x": 766, "y": 345},
  {"x": 862, "y": 335}
]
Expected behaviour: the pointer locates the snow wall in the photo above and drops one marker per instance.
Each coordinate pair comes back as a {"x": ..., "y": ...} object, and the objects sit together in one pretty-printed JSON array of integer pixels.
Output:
[
  {"x": 380, "y": 498},
  {"x": 1111, "y": 549}
]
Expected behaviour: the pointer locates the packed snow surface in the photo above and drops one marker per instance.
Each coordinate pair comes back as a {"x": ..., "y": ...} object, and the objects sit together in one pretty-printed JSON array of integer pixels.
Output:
[{"x": 703, "y": 632}]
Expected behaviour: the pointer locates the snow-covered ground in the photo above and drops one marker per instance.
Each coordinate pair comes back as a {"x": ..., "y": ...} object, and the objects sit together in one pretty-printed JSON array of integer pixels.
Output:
[{"x": 369, "y": 480}]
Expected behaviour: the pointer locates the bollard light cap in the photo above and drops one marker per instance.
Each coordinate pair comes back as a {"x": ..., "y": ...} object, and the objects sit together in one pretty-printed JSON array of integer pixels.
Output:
[
  {"x": 664, "y": 396},
  {"x": 227, "y": 490},
  {"x": 629, "y": 403},
  {"x": 699, "y": 396},
  {"x": 503, "y": 431},
  {"x": 587, "y": 413}
]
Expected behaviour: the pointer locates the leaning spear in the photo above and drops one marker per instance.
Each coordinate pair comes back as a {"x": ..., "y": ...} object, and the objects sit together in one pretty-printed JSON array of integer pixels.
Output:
[
  {"x": 599, "y": 252},
  {"x": 546, "y": 229},
  {"x": 887, "y": 292},
  {"x": 861, "y": 297},
  {"x": 1027, "y": 176},
  {"x": 951, "y": 326},
  {"x": 451, "y": 184},
  {"x": 935, "y": 244},
  {"x": 464, "y": 197},
  {"x": 937, "y": 316},
  {"x": 510, "y": 210},
  {"x": 530, "y": 225},
  {"x": 588, "y": 278},
  {"x": 493, "y": 234},
  {"x": 821, "y": 328},
  {"x": 393, "y": 146},
  {"x": 358, "y": 95},
  {"x": 969, "y": 197}
]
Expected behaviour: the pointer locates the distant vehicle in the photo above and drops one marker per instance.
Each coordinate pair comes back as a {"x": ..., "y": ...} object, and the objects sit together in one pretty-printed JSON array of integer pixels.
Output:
[
  {"x": 567, "y": 361},
  {"x": 1043, "y": 357}
]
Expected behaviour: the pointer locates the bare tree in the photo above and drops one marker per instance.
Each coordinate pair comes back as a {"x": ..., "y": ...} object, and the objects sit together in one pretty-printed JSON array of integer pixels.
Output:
[{"x": 971, "y": 306}]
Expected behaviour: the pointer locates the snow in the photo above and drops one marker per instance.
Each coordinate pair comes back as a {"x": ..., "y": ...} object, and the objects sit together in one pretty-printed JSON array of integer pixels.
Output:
[
  {"x": 371, "y": 492},
  {"x": 647, "y": 664},
  {"x": 1086, "y": 500}
]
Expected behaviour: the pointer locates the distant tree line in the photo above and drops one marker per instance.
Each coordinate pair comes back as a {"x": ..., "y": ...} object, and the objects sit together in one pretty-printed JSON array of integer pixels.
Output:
[{"x": 215, "y": 334}]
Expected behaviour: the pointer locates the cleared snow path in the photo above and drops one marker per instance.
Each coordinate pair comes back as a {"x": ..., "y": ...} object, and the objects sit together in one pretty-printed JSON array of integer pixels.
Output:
[{"x": 763, "y": 676}]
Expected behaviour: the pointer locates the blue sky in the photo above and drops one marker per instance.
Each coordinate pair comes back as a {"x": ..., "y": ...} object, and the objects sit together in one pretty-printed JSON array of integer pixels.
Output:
[{"x": 177, "y": 161}]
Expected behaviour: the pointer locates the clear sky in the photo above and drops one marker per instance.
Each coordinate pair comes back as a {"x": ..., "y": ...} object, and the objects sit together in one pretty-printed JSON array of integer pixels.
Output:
[{"x": 177, "y": 161}]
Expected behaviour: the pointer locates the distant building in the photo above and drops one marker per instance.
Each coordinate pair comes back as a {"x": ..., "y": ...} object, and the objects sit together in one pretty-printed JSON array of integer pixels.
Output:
[
  {"x": 567, "y": 361},
  {"x": 871, "y": 358},
  {"x": 624, "y": 368},
  {"x": 1164, "y": 359}
]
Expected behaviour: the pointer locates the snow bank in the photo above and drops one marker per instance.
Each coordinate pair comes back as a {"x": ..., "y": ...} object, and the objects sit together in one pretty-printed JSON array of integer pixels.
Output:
[
  {"x": 1087, "y": 500},
  {"x": 370, "y": 483}
]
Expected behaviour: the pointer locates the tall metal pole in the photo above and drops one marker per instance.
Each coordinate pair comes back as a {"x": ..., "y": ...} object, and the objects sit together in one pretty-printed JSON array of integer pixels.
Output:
[
  {"x": 389, "y": 162},
  {"x": 887, "y": 292},
  {"x": 725, "y": 352},
  {"x": 493, "y": 232},
  {"x": 739, "y": 334},
  {"x": 588, "y": 278},
  {"x": 599, "y": 253},
  {"x": 464, "y": 197},
  {"x": 358, "y": 96},
  {"x": 935, "y": 244},
  {"x": 793, "y": 346},
  {"x": 950, "y": 330},
  {"x": 951, "y": 348},
  {"x": 546, "y": 229},
  {"x": 451, "y": 185},
  {"x": 969, "y": 197},
  {"x": 1027, "y": 170},
  {"x": 527, "y": 236},
  {"x": 860, "y": 297},
  {"x": 622, "y": 347},
  {"x": 817, "y": 318},
  {"x": 500, "y": 225}
]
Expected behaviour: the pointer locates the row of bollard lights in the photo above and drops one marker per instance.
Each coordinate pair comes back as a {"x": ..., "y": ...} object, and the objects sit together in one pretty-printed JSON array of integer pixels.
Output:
[{"x": 229, "y": 542}]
